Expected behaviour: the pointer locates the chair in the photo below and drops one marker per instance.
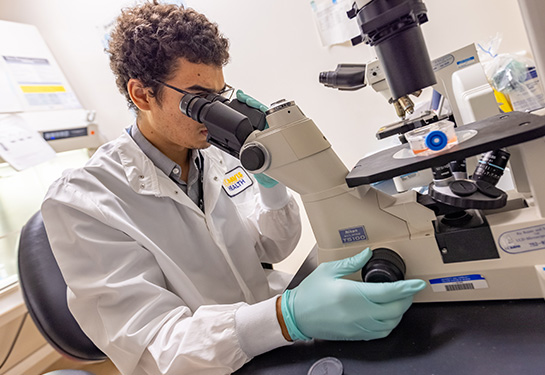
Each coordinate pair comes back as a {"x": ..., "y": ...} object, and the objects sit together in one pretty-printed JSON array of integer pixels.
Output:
[{"x": 44, "y": 293}]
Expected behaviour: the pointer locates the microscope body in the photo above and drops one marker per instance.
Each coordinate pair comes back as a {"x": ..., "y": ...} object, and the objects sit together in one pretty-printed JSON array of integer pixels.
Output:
[
  {"x": 482, "y": 245},
  {"x": 503, "y": 257}
]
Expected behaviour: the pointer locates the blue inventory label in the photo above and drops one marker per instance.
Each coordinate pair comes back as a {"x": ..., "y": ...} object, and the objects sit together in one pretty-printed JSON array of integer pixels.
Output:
[
  {"x": 466, "y": 62},
  {"x": 354, "y": 234},
  {"x": 455, "y": 283}
]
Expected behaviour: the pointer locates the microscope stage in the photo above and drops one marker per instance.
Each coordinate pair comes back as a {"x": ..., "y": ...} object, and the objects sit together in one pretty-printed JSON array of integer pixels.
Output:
[{"x": 493, "y": 133}]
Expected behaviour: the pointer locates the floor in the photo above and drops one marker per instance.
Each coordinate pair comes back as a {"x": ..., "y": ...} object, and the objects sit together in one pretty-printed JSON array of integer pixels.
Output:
[{"x": 102, "y": 368}]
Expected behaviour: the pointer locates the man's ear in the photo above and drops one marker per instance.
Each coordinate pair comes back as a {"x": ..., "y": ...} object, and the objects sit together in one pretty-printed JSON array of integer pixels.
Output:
[{"x": 139, "y": 94}]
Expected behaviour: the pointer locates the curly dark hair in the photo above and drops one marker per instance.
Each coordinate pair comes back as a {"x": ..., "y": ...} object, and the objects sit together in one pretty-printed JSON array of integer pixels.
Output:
[{"x": 148, "y": 39}]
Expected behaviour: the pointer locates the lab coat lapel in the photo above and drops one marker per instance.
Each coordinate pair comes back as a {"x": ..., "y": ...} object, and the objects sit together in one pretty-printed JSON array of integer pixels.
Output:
[
  {"x": 145, "y": 178},
  {"x": 168, "y": 188},
  {"x": 214, "y": 170}
]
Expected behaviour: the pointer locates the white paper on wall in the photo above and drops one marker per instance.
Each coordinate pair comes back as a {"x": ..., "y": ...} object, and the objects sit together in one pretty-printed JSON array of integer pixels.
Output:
[
  {"x": 332, "y": 22},
  {"x": 21, "y": 146}
]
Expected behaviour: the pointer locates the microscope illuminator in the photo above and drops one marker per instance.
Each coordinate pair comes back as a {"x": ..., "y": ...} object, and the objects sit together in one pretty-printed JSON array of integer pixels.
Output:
[{"x": 393, "y": 28}]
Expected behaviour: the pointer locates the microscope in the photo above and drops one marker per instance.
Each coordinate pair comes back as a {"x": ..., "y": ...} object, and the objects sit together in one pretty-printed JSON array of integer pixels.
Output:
[{"x": 468, "y": 239}]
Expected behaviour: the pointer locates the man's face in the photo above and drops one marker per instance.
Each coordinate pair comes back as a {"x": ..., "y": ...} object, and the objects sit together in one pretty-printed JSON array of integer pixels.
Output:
[{"x": 164, "y": 125}]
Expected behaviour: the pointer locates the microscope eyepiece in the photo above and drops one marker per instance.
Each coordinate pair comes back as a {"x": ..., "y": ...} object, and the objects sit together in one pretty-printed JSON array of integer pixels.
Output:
[
  {"x": 345, "y": 77},
  {"x": 191, "y": 106},
  {"x": 229, "y": 123}
]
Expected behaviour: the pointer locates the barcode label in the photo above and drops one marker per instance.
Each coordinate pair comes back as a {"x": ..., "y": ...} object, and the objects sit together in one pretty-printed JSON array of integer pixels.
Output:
[
  {"x": 458, "y": 283},
  {"x": 454, "y": 287}
]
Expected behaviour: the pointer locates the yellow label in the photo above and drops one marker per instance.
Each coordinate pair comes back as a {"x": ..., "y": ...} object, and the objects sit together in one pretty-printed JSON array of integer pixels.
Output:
[
  {"x": 503, "y": 101},
  {"x": 42, "y": 89}
]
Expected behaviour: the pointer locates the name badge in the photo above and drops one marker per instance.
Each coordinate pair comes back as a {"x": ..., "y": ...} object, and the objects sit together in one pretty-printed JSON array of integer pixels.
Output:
[{"x": 236, "y": 181}]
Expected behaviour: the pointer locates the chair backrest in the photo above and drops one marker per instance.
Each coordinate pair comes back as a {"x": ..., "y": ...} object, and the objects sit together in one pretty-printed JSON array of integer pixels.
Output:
[{"x": 44, "y": 292}]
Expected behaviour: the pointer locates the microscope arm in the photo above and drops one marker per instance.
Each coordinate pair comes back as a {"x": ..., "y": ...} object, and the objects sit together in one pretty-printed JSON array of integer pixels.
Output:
[{"x": 298, "y": 155}]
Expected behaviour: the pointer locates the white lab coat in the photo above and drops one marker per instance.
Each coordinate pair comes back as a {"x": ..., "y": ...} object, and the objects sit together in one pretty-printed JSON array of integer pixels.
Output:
[{"x": 160, "y": 287}]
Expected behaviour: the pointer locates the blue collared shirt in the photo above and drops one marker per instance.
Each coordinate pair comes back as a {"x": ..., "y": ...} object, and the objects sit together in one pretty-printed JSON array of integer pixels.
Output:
[{"x": 169, "y": 167}]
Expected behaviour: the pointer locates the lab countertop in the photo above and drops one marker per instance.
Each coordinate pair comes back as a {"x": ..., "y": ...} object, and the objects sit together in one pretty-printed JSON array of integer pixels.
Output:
[{"x": 486, "y": 337}]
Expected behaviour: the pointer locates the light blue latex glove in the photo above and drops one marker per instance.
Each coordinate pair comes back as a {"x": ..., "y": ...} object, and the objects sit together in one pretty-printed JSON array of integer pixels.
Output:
[
  {"x": 325, "y": 306},
  {"x": 263, "y": 180},
  {"x": 251, "y": 102}
]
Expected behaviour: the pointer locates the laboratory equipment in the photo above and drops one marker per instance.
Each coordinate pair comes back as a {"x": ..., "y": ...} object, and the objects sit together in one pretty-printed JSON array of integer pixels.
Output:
[
  {"x": 34, "y": 90},
  {"x": 462, "y": 80},
  {"x": 480, "y": 246},
  {"x": 493, "y": 251},
  {"x": 350, "y": 77},
  {"x": 393, "y": 29},
  {"x": 435, "y": 137},
  {"x": 307, "y": 315},
  {"x": 459, "y": 76},
  {"x": 500, "y": 257},
  {"x": 468, "y": 239},
  {"x": 44, "y": 130},
  {"x": 327, "y": 365}
]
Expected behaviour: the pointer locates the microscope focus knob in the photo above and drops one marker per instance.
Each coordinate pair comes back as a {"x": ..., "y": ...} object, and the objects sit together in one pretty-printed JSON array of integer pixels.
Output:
[
  {"x": 384, "y": 266},
  {"x": 254, "y": 157}
]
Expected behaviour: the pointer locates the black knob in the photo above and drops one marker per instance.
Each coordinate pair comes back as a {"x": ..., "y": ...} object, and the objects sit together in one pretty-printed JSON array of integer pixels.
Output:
[
  {"x": 252, "y": 158},
  {"x": 463, "y": 188},
  {"x": 384, "y": 266},
  {"x": 488, "y": 189}
]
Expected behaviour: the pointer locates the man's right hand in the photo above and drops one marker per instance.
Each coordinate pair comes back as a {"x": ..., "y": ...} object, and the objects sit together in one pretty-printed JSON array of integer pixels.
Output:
[{"x": 326, "y": 306}]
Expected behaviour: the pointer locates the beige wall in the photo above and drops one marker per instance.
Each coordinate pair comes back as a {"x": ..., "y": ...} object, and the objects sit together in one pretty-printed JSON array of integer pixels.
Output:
[{"x": 276, "y": 53}]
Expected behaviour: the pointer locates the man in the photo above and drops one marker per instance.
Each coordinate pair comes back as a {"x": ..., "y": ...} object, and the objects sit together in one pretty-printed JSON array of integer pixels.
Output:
[{"x": 162, "y": 262}]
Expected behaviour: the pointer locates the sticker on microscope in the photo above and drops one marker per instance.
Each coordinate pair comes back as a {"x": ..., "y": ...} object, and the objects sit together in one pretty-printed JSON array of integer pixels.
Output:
[
  {"x": 466, "y": 62},
  {"x": 442, "y": 62},
  {"x": 457, "y": 283},
  {"x": 236, "y": 181},
  {"x": 523, "y": 240},
  {"x": 354, "y": 234}
]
